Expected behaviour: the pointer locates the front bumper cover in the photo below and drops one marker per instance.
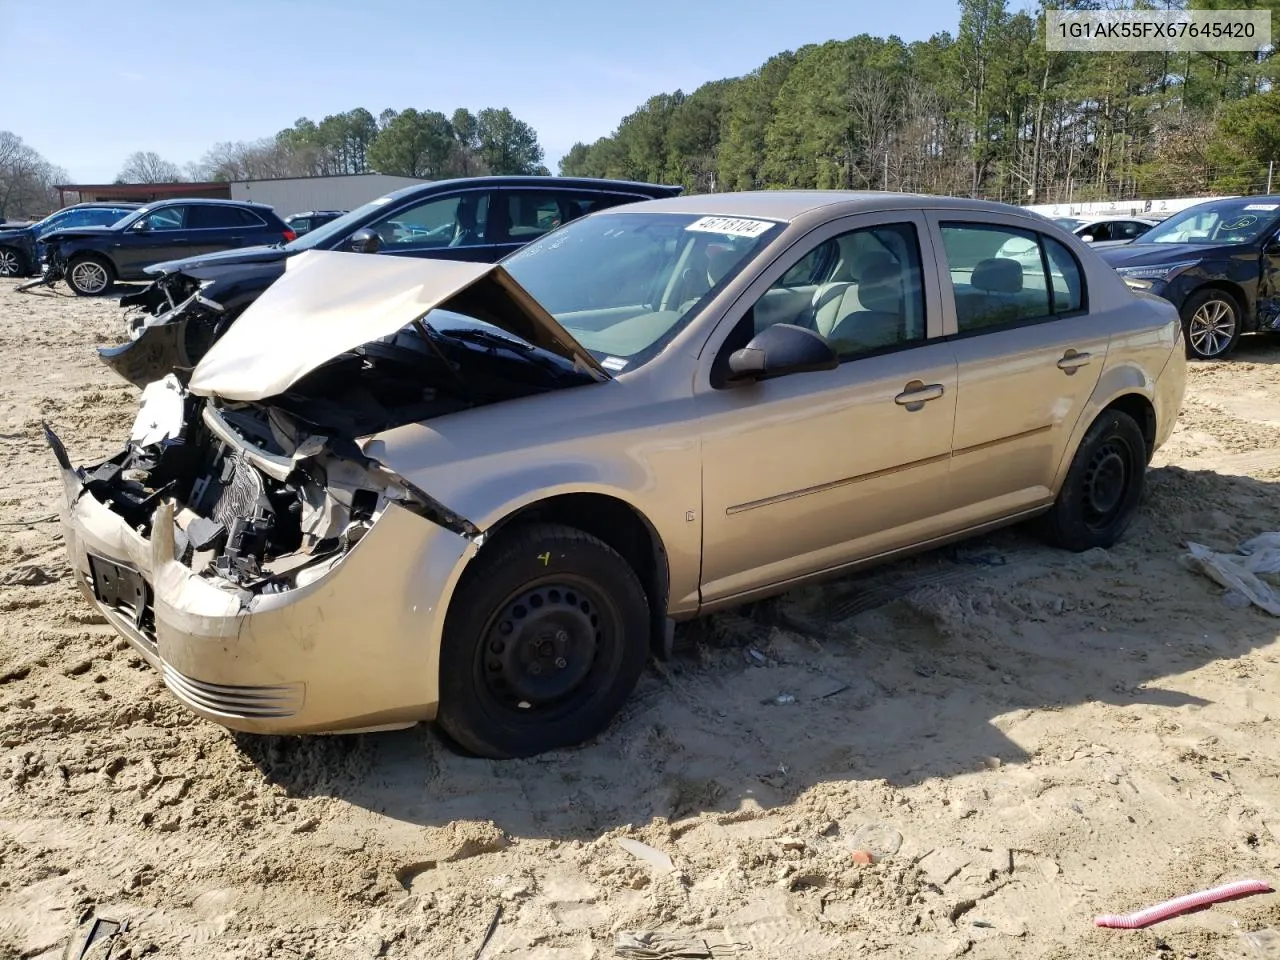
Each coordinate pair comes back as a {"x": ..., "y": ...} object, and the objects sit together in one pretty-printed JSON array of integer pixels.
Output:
[{"x": 355, "y": 649}]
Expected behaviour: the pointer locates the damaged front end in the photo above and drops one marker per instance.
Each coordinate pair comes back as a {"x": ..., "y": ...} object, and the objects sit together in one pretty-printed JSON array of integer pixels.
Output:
[
  {"x": 174, "y": 320},
  {"x": 282, "y": 580},
  {"x": 262, "y": 503}
]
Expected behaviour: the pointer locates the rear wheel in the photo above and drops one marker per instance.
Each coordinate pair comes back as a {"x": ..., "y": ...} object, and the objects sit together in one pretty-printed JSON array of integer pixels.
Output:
[
  {"x": 89, "y": 276},
  {"x": 1212, "y": 320},
  {"x": 12, "y": 263},
  {"x": 543, "y": 643},
  {"x": 1103, "y": 486}
]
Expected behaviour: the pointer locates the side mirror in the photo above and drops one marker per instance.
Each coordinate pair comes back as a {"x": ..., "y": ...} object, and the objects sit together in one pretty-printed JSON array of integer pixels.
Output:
[
  {"x": 142, "y": 226},
  {"x": 364, "y": 241},
  {"x": 780, "y": 350},
  {"x": 1087, "y": 238}
]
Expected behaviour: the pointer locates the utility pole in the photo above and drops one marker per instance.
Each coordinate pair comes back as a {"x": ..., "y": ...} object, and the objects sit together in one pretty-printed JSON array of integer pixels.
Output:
[
  {"x": 886, "y": 170},
  {"x": 1271, "y": 166}
]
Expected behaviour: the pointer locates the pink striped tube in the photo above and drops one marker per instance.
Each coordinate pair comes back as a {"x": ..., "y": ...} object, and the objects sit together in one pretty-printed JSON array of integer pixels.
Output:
[{"x": 1171, "y": 908}]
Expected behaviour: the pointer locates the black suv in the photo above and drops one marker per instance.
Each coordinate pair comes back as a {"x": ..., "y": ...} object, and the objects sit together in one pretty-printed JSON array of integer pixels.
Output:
[
  {"x": 308, "y": 220},
  {"x": 480, "y": 219},
  {"x": 92, "y": 259},
  {"x": 21, "y": 243}
]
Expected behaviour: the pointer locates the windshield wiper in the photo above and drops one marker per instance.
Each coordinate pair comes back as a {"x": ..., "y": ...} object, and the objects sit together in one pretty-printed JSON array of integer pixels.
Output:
[{"x": 493, "y": 339}]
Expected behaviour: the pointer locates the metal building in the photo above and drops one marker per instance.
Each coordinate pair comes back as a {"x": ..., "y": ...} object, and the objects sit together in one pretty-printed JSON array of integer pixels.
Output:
[{"x": 341, "y": 192}]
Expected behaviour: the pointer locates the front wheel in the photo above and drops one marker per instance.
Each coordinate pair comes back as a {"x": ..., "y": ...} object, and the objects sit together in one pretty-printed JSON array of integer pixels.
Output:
[
  {"x": 544, "y": 641},
  {"x": 1212, "y": 320},
  {"x": 89, "y": 276},
  {"x": 12, "y": 263},
  {"x": 1103, "y": 486}
]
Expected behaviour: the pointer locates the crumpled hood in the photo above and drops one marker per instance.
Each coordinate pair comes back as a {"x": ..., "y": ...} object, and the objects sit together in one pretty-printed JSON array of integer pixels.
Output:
[
  {"x": 328, "y": 303},
  {"x": 223, "y": 258},
  {"x": 72, "y": 233},
  {"x": 14, "y": 232}
]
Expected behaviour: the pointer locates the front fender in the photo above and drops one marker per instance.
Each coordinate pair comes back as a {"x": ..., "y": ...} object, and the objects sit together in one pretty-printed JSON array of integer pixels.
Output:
[{"x": 660, "y": 480}]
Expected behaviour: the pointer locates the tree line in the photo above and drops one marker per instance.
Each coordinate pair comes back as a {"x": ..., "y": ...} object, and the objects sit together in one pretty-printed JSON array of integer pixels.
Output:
[
  {"x": 408, "y": 143},
  {"x": 988, "y": 112}
]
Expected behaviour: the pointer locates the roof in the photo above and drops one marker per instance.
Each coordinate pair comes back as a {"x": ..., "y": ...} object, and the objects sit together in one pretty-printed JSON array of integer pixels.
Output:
[
  {"x": 206, "y": 202},
  {"x": 788, "y": 205},
  {"x": 170, "y": 187}
]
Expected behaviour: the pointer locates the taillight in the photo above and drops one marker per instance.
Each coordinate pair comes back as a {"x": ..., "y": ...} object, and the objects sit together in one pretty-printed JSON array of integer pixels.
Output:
[{"x": 289, "y": 235}]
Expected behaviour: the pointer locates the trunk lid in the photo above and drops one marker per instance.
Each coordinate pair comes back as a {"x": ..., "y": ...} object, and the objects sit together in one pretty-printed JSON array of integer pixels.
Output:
[{"x": 329, "y": 303}]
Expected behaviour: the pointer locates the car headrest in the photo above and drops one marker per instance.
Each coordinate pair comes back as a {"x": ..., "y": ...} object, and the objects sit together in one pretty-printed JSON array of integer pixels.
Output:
[
  {"x": 880, "y": 285},
  {"x": 997, "y": 275}
]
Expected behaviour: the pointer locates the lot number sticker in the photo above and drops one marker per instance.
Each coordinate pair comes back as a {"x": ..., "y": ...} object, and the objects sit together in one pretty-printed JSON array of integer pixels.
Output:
[{"x": 730, "y": 226}]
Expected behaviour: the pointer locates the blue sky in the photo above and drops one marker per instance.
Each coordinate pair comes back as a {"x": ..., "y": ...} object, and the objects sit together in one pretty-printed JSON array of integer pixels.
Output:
[{"x": 176, "y": 77}]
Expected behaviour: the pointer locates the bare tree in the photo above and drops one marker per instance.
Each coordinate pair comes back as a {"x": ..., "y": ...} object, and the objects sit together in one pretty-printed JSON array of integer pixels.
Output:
[
  {"x": 147, "y": 166},
  {"x": 26, "y": 178}
]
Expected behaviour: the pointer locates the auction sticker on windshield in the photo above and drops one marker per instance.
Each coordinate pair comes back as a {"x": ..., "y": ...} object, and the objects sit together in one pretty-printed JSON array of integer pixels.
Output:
[
  {"x": 1262, "y": 206},
  {"x": 730, "y": 226}
]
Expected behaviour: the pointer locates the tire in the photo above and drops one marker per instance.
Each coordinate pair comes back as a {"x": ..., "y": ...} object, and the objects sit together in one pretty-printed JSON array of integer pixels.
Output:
[
  {"x": 548, "y": 617},
  {"x": 88, "y": 275},
  {"x": 1211, "y": 320},
  {"x": 12, "y": 262},
  {"x": 1103, "y": 486}
]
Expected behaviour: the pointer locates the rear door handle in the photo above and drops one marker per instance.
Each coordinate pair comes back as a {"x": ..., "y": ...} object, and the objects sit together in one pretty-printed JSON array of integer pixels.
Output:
[
  {"x": 1072, "y": 361},
  {"x": 917, "y": 392}
]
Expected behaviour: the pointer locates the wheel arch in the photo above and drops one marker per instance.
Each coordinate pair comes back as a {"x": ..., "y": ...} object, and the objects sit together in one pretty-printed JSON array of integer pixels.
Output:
[
  {"x": 1237, "y": 292},
  {"x": 617, "y": 522},
  {"x": 1124, "y": 387}
]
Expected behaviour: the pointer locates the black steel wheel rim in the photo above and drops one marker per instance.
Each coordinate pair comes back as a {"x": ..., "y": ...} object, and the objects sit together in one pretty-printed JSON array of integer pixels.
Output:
[
  {"x": 1106, "y": 482},
  {"x": 547, "y": 645}
]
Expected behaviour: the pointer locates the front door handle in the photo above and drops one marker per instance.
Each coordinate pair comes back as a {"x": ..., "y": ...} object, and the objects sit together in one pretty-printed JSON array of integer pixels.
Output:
[
  {"x": 916, "y": 393},
  {"x": 1072, "y": 361}
]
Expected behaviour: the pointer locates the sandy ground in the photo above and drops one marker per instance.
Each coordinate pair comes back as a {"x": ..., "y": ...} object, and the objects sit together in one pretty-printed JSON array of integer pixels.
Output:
[{"x": 1031, "y": 737}]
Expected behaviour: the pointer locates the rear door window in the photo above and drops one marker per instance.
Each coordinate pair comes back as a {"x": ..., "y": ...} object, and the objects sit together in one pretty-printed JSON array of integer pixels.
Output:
[{"x": 215, "y": 218}]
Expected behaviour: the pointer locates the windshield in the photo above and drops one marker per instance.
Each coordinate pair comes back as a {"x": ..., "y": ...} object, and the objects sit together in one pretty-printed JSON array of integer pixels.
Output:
[
  {"x": 1239, "y": 220},
  {"x": 623, "y": 284},
  {"x": 335, "y": 228},
  {"x": 1069, "y": 222}
]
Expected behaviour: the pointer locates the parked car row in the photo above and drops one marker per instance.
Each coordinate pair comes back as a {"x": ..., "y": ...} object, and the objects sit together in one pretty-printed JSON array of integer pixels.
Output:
[
  {"x": 477, "y": 477},
  {"x": 22, "y": 244}
]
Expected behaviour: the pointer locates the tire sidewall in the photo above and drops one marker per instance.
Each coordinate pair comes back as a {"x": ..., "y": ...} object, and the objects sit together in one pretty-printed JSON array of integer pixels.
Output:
[
  {"x": 76, "y": 261},
  {"x": 1068, "y": 514},
  {"x": 1194, "y": 303},
  {"x": 466, "y": 713}
]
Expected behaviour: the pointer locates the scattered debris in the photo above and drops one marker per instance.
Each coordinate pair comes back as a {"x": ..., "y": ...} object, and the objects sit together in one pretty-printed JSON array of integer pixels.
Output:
[
  {"x": 1171, "y": 908},
  {"x": 488, "y": 934},
  {"x": 1264, "y": 944},
  {"x": 642, "y": 851},
  {"x": 756, "y": 656},
  {"x": 101, "y": 938},
  {"x": 784, "y": 698},
  {"x": 48, "y": 518},
  {"x": 881, "y": 840},
  {"x": 1241, "y": 571},
  {"x": 651, "y": 945},
  {"x": 863, "y": 857}
]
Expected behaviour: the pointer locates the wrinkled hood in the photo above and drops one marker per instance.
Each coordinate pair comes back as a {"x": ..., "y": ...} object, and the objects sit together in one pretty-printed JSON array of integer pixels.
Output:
[
  {"x": 14, "y": 231},
  {"x": 1139, "y": 254},
  {"x": 72, "y": 233},
  {"x": 328, "y": 303},
  {"x": 223, "y": 258}
]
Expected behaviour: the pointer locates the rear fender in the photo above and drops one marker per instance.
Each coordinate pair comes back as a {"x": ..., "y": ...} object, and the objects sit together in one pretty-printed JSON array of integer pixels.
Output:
[{"x": 1117, "y": 380}]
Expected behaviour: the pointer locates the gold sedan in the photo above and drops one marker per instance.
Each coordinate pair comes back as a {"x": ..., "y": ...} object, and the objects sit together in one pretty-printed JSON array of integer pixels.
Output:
[{"x": 401, "y": 490}]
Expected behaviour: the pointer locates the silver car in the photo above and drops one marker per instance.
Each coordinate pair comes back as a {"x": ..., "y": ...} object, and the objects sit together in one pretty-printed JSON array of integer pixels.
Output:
[{"x": 400, "y": 490}]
